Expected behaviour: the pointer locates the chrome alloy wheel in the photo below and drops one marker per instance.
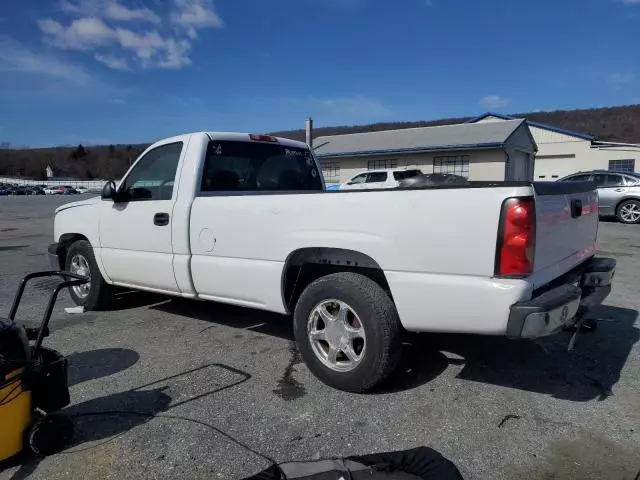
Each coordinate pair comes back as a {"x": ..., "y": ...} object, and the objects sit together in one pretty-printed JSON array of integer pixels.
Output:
[
  {"x": 80, "y": 266},
  {"x": 336, "y": 335},
  {"x": 630, "y": 212}
]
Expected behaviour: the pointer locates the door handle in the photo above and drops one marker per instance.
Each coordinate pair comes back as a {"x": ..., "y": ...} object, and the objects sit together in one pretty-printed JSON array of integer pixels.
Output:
[
  {"x": 619, "y": 189},
  {"x": 161, "y": 219}
]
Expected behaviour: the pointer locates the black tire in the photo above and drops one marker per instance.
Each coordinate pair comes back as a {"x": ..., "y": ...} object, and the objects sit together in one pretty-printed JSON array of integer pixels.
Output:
[
  {"x": 626, "y": 204},
  {"x": 50, "y": 434},
  {"x": 378, "y": 317},
  {"x": 100, "y": 292}
]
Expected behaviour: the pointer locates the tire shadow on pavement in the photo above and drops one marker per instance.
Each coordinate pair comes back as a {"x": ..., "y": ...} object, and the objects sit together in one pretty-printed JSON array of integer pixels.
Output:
[
  {"x": 588, "y": 372},
  {"x": 267, "y": 323}
]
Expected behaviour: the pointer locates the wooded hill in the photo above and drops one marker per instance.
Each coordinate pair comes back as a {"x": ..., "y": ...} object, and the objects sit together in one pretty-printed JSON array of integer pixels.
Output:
[{"x": 614, "y": 124}]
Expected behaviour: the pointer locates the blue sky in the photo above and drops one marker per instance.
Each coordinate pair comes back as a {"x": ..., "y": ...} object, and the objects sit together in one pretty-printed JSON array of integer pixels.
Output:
[{"x": 125, "y": 71}]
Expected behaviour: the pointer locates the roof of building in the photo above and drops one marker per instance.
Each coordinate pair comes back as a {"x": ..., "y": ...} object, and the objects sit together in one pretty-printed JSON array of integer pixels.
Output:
[
  {"x": 466, "y": 136},
  {"x": 544, "y": 126}
]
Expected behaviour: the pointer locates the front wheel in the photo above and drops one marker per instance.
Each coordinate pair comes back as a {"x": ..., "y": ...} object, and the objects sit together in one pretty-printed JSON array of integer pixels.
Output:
[
  {"x": 80, "y": 260},
  {"x": 348, "y": 331},
  {"x": 629, "y": 211}
]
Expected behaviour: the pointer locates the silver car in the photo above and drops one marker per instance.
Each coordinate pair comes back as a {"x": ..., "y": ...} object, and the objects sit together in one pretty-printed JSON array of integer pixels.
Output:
[{"x": 618, "y": 192}]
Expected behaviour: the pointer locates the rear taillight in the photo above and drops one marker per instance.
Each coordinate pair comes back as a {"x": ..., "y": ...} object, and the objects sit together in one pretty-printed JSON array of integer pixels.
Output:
[{"x": 516, "y": 238}]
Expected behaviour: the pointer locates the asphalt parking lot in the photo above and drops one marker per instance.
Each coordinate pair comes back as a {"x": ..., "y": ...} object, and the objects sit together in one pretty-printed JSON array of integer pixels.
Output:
[{"x": 203, "y": 385}]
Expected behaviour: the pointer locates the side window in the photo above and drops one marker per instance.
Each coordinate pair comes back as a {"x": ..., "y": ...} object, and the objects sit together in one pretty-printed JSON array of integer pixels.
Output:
[
  {"x": 362, "y": 178},
  {"x": 629, "y": 181},
  {"x": 376, "y": 177},
  {"x": 153, "y": 176},
  {"x": 614, "y": 180},
  {"x": 578, "y": 178},
  {"x": 607, "y": 179}
]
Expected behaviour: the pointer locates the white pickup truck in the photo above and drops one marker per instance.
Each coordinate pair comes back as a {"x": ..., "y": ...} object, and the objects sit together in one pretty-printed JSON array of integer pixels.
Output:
[{"x": 245, "y": 219}]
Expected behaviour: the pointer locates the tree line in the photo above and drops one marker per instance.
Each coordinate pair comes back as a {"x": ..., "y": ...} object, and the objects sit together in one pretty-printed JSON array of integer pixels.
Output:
[
  {"x": 83, "y": 163},
  {"x": 614, "y": 124}
]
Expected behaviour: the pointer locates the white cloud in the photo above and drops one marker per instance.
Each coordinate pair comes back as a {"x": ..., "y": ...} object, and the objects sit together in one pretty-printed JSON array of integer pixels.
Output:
[
  {"x": 15, "y": 57},
  {"x": 108, "y": 9},
  {"x": 155, "y": 50},
  {"x": 111, "y": 61},
  {"x": 117, "y": 11},
  {"x": 428, "y": 3},
  {"x": 191, "y": 15},
  {"x": 99, "y": 29},
  {"x": 631, "y": 2},
  {"x": 150, "y": 47},
  {"x": 81, "y": 34},
  {"x": 494, "y": 102}
]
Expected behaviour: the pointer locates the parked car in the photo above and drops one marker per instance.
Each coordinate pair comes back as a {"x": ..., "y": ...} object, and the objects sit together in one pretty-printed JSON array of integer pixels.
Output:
[
  {"x": 69, "y": 191},
  {"x": 4, "y": 191},
  {"x": 52, "y": 190},
  {"x": 36, "y": 191},
  {"x": 433, "y": 180},
  {"x": 618, "y": 193},
  {"x": 250, "y": 223},
  {"x": 19, "y": 191},
  {"x": 82, "y": 189},
  {"x": 373, "y": 179}
]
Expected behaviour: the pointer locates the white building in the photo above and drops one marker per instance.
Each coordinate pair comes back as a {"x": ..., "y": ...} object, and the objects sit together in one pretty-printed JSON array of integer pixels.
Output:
[
  {"x": 480, "y": 151},
  {"x": 561, "y": 152},
  {"x": 477, "y": 154}
]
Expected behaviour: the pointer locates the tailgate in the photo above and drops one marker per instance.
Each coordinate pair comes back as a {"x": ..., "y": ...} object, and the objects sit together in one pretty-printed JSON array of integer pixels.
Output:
[{"x": 566, "y": 227}]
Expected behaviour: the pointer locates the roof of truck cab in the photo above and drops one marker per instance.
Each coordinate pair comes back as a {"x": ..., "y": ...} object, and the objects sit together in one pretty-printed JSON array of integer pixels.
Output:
[
  {"x": 244, "y": 137},
  {"x": 466, "y": 136}
]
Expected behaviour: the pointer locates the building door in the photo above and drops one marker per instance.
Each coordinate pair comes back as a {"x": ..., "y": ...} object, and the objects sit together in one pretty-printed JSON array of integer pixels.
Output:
[{"x": 517, "y": 168}]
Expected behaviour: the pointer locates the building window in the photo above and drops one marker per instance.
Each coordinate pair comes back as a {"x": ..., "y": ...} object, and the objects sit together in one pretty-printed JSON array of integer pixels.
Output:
[
  {"x": 627, "y": 165},
  {"x": 381, "y": 164},
  {"x": 330, "y": 170},
  {"x": 456, "y": 164}
]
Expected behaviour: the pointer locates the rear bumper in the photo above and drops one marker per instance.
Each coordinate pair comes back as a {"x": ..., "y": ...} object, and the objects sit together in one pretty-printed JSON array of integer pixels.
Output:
[
  {"x": 564, "y": 302},
  {"x": 54, "y": 257}
]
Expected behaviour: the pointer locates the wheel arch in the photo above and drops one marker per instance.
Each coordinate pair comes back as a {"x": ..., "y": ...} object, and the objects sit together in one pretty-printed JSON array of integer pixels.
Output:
[
  {"x": 305, "y": 265},
  {"x": 65, "y": 241}
]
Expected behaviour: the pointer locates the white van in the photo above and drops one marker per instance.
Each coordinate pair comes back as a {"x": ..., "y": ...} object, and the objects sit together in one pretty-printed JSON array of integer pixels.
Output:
[{"x": 372, "y": 179}]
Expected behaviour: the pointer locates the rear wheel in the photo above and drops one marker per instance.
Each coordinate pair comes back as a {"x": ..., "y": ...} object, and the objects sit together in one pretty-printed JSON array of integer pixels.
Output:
[
  {"x": 629, "y": 211},
  {"x": 50, "y": 434},
  {"x": 348, "y": 331},
  {"x": 80, "y": 260}
]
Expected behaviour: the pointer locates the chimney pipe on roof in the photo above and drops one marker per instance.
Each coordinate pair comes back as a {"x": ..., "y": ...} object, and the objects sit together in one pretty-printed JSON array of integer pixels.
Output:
[{"x": 309, "y": 130}]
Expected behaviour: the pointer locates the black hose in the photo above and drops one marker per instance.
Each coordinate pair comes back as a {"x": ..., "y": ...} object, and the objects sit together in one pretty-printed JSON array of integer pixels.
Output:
[{"x": 133, "y": 413}]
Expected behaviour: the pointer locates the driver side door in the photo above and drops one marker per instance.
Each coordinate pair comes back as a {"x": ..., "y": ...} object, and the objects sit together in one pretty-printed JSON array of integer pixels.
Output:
[{"x": 135, "y": 231}]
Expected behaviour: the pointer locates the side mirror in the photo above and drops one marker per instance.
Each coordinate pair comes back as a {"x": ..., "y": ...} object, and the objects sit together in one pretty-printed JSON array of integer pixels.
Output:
[{"x": 109, "y": 191}]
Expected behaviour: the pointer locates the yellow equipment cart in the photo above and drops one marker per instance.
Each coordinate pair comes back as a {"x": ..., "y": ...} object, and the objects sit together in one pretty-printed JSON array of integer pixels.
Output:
[{"x": 33, "y": 380}]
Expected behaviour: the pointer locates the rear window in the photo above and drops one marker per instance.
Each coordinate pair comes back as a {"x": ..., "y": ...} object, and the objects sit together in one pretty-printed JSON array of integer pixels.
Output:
[{"x": 232, "y": 166}]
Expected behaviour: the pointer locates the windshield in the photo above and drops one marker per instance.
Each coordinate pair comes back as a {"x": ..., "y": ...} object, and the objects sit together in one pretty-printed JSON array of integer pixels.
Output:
[{"x": 251, "y": 166}]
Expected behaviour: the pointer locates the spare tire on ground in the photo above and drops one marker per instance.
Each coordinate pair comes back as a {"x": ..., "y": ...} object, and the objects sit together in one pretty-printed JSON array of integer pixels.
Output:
[{"x": 421, "y": 463}]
